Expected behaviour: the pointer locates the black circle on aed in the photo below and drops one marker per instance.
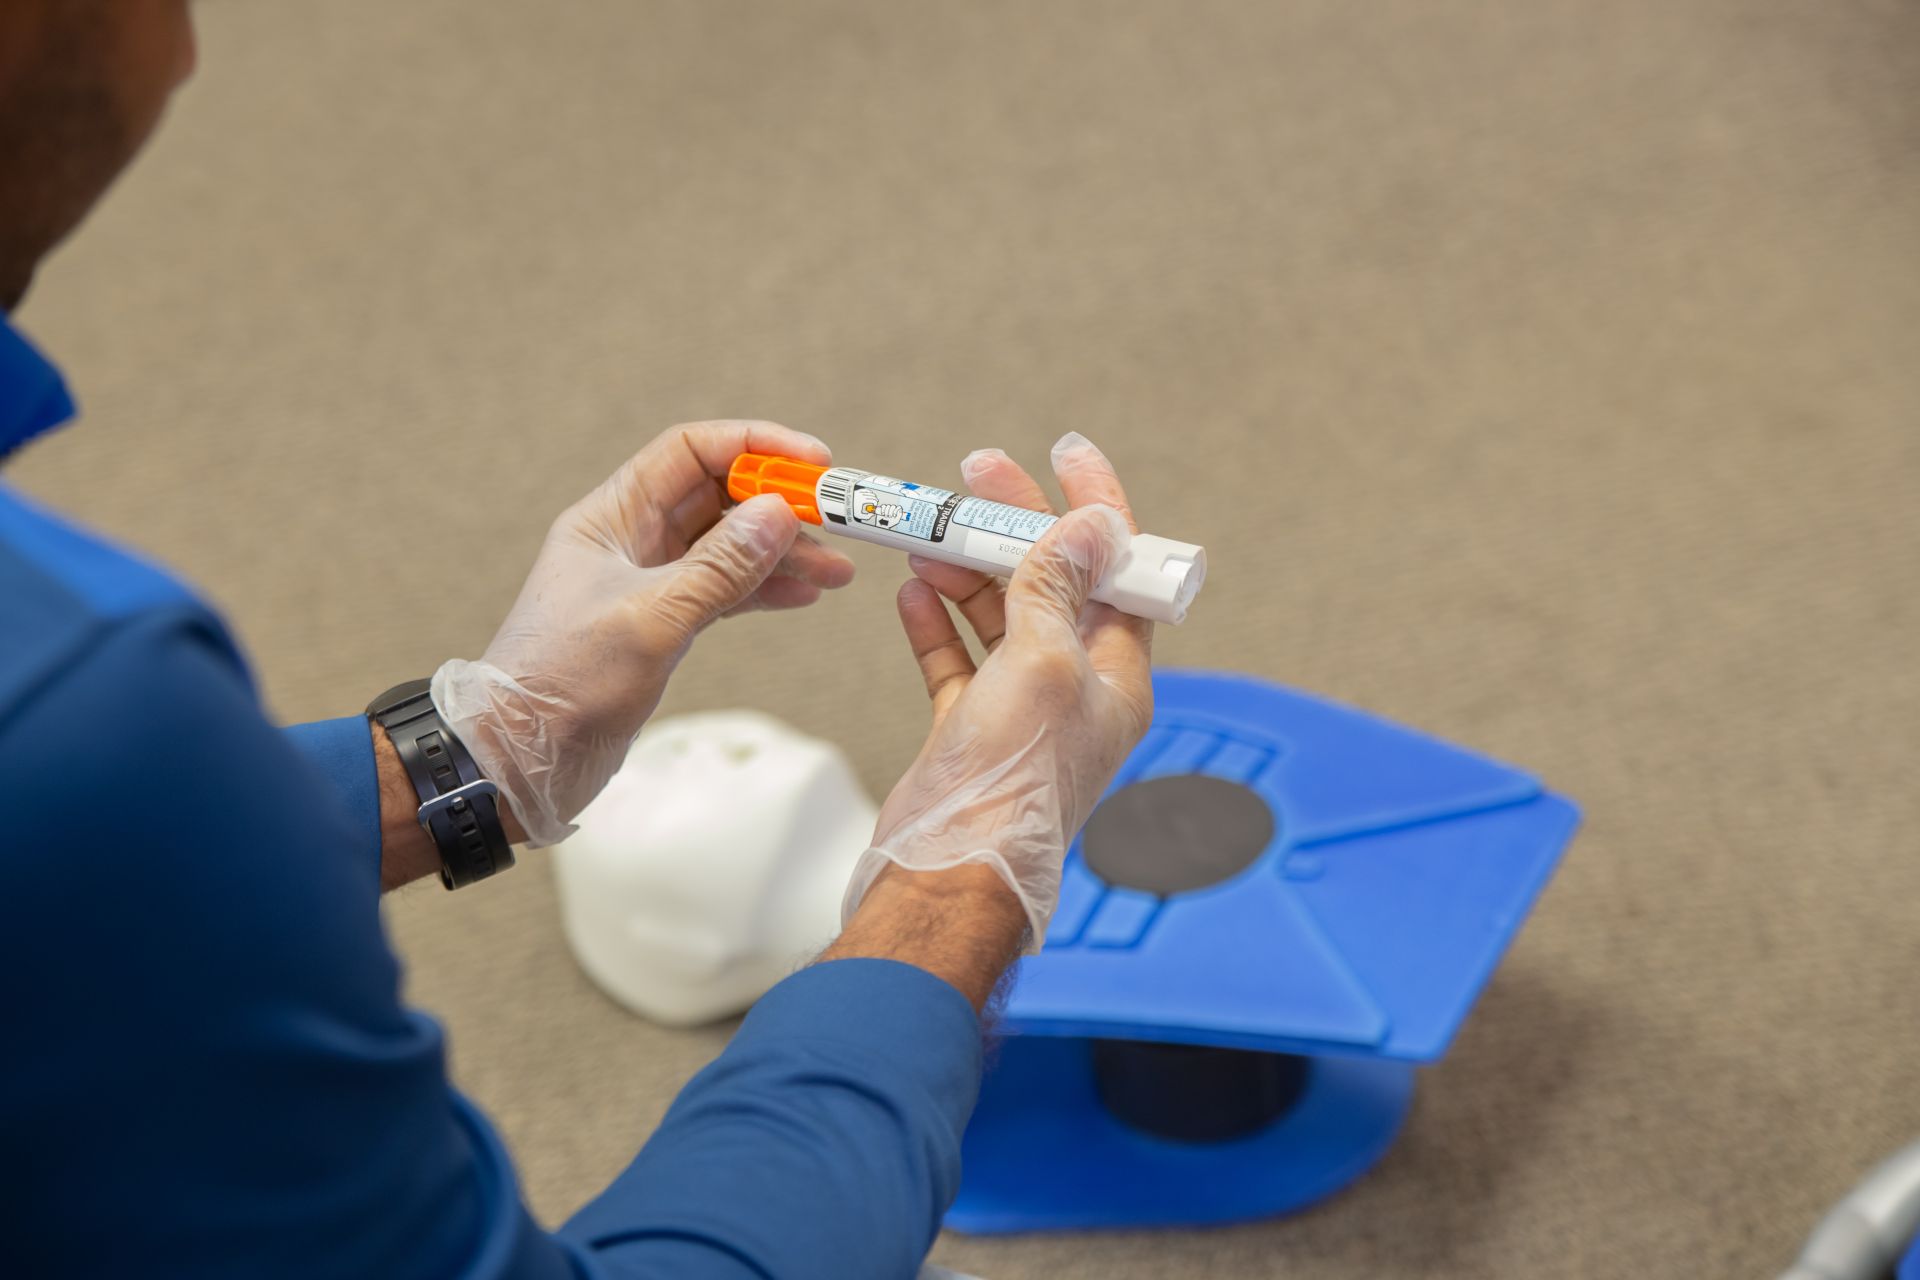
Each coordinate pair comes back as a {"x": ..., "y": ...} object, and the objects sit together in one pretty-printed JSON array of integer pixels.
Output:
[{"x": 1177, "y": 834}]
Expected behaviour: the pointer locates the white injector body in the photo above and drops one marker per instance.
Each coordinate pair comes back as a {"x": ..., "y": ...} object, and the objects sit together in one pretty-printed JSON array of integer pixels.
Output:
[{"x": 1155, "y": 577}]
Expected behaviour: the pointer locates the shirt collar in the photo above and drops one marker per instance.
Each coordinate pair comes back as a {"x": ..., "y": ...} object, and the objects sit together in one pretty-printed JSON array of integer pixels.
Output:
[{"x": 33, "y": 397}]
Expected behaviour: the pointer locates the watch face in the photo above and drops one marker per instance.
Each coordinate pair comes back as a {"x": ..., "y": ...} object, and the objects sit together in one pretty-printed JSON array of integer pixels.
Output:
[{"x": 398, "y": 696}]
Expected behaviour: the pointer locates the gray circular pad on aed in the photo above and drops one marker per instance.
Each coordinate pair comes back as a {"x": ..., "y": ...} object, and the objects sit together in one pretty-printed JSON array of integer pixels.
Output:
[{"x": 1172, "y": 835}]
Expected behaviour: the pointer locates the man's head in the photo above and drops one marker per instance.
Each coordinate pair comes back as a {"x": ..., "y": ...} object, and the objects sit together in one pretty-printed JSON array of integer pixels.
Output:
[{"x": 82, "y": 84}]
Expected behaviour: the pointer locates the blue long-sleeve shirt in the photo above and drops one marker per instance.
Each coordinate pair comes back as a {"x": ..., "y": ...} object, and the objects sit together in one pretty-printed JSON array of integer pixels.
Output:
[{"x": 205, "y": 1066}]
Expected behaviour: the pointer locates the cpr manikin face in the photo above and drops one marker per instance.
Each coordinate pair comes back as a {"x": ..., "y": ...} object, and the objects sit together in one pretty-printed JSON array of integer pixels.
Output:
[{"x": 712, "y": 865}]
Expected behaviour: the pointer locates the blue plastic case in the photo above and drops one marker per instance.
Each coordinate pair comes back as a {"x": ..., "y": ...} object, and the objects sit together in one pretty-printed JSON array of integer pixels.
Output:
[{"x": 1399, "y": 870}]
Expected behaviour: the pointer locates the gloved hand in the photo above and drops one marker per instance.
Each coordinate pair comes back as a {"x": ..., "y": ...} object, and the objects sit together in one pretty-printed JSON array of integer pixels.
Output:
[
  {"x": 1024, "y": 744},
  {"x": 625, "y": 580}
]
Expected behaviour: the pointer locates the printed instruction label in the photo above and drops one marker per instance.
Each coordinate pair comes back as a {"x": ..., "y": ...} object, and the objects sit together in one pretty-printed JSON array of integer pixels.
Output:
[
  {"x": 999, "y": 518},
  {"x": 882, "y": 502}
]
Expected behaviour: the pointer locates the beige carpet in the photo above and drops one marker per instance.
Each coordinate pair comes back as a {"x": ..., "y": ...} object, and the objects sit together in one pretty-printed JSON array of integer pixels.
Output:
[{"x": 1543, "y": 375}]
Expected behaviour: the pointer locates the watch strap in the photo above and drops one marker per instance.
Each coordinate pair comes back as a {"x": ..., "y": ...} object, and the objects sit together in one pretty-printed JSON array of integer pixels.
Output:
[{"x": 459, "y": 807}]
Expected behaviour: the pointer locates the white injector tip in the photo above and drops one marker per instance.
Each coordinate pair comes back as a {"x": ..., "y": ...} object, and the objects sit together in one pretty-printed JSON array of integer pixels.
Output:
[{"x": 1155, "y": 578}]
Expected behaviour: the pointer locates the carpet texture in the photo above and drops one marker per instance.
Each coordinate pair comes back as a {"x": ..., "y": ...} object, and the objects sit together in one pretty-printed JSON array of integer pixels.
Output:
[{"x": 1541, "y": 375}]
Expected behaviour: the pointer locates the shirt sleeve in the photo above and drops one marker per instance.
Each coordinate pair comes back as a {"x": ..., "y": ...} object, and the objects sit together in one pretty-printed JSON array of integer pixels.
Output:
[
  {"x": 825, "y": 1141},
  {"x": 341, "y": 751},
  {"x": 210, "y": 1073}
]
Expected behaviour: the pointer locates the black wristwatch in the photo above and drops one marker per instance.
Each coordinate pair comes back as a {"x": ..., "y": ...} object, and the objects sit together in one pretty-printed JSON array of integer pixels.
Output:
[{"x": 458, "y": 807}]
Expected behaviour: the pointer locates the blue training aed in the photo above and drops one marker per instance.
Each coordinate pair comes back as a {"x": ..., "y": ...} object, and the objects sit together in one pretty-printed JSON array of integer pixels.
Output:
[{"x": 1278, "y": 909}]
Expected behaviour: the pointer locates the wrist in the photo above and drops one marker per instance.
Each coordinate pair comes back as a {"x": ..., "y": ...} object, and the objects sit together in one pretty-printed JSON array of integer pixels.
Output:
[
  {"x": 407, "y": 850},
  {"x": 972, "y": 887},
  {"x": 963, "y": 924}
]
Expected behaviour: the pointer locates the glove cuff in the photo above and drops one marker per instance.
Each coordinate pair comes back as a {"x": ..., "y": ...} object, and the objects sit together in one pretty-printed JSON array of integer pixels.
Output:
[
  {"x": 499, "y": 722},
  {"x": 1038, "y": 909}
]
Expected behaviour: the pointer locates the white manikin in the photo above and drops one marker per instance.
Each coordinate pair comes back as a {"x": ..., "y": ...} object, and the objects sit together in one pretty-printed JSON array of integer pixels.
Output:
[{"x": 712, "y": 865}]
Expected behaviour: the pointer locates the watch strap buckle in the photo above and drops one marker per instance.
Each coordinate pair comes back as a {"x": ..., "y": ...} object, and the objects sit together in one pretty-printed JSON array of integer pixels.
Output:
[{"x": 456, "y": 800}]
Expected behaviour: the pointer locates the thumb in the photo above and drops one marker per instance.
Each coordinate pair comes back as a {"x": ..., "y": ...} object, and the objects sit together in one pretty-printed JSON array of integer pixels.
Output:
[
  {"x": 1052, "y": 584},
  {"x": 729, "y": 562}
]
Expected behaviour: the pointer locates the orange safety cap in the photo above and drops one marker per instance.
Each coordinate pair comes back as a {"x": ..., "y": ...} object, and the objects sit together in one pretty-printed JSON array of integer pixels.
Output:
[{"x": 753, "y": 474}]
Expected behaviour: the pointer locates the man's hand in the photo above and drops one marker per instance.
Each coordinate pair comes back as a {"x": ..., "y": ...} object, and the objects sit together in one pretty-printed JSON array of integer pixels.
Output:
[
  {"x": 627, "y": 577},
  {"x": 1024, "y": 743}
]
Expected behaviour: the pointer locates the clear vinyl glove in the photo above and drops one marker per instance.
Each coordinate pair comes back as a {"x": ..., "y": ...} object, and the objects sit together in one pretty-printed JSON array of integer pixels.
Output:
[
  {"x": 625, "y": 580},
  {"x": 1024, "y": 743}
]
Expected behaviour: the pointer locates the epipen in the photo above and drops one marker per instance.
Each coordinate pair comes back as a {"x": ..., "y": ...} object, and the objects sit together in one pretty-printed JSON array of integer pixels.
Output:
[{"x": 1154, "y": 578}]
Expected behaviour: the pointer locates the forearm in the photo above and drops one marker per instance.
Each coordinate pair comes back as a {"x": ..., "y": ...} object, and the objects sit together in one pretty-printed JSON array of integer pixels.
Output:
[
  {"x": 406, "y": 850},
  {"x": 824, "y": 1144},
  {"x": 825, "y": 1141},
  {"x": 963, "y": 925}
]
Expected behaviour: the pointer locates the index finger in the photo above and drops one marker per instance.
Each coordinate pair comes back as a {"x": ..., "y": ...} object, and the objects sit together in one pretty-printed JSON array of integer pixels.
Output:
[
  {"x": 1086, "y": 476},
  {"x": 992, "y": 475},
  {"x": 678, "y": 461}
]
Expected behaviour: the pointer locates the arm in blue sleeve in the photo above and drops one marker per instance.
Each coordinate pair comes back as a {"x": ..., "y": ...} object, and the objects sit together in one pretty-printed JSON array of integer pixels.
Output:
[
  {"x": 342, "y": 753},
  {"x": 825, "y": 1141},
  {"x": 208, "y": 1069},
  {"x": 826, "y": 1136},
  {"x": 210, "y": 1073}
]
